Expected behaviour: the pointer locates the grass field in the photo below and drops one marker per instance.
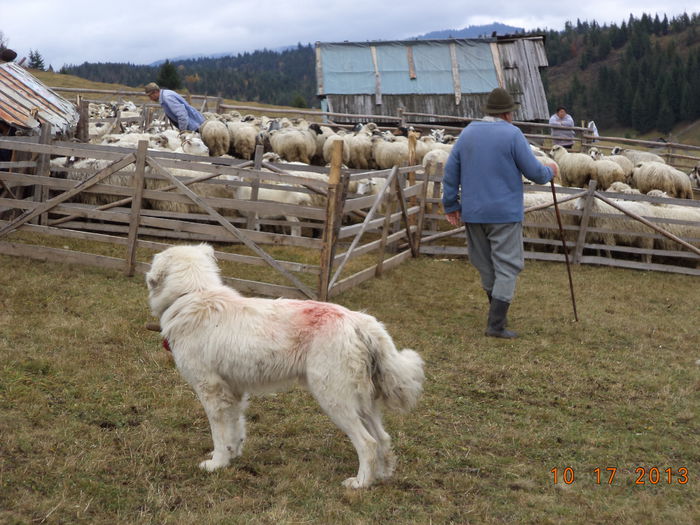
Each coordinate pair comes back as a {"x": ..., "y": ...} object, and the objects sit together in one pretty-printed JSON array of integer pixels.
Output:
[{"x": 98, "y": 427}]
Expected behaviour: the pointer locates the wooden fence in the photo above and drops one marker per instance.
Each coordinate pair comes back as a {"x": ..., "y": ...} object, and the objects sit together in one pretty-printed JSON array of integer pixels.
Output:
[
  {"x": 37, "y": 206},
  {"x": 332, "y": 228},
  {"x": 610, "y": 234}
]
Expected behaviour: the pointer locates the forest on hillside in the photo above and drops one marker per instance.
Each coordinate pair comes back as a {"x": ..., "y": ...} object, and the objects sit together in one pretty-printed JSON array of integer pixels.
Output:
[{"x": 643, "y": 74}]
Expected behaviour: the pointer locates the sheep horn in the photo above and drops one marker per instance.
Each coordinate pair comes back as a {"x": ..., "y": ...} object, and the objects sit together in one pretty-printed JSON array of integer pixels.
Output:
[{"x": 566, "y": 252}]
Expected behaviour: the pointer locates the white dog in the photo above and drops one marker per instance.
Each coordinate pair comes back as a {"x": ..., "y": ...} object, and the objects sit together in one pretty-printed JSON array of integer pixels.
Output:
[{"x": 226, "y": 345}]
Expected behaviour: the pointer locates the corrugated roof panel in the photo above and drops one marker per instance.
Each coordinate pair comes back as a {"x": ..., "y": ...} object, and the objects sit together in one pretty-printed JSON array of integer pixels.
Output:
[
  {"x": 347, "y": 68},
  {"x": 25, "y": 101}
]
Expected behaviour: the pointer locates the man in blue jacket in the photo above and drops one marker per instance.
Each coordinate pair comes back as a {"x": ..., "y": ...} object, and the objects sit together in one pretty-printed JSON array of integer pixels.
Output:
[
  {"x": 176, "y": 108},
  {"x": 483, "y": 188}
]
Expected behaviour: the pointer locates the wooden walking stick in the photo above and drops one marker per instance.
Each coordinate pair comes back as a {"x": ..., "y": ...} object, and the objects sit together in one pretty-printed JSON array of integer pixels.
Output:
[{"x": 566, "y": 252}]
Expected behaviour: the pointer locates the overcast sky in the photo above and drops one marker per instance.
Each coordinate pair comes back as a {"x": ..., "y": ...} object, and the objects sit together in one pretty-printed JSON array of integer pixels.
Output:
[{"x": 141, "y": 32}]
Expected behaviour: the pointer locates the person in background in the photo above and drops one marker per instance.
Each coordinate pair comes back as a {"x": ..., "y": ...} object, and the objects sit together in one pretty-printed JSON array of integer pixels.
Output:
[
  {"x": 562, "y": 137},
  {"x": 176, "y": 108},
  {"x": 483, "y": 188}
]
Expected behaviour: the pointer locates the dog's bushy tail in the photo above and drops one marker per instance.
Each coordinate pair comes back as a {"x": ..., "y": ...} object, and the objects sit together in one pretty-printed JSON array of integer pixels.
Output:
[{"x": 397, "y": 375}]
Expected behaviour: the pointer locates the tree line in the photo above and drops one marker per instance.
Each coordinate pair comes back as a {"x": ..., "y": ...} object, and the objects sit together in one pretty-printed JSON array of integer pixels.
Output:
[
  {"x": 643, "y": 74},
  {"x": 286, "y": 78}
]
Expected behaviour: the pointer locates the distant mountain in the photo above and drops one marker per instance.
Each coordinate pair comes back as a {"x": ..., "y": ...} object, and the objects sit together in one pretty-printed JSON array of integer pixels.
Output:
[{"x": 471, "y": 32}]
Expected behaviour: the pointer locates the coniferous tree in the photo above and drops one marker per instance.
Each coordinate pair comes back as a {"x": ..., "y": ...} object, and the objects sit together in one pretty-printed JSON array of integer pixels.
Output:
[
  {"x": 666, "y": 119},
  {"x": 36, "y": 61},
  {"x": 168, "y": 76}
]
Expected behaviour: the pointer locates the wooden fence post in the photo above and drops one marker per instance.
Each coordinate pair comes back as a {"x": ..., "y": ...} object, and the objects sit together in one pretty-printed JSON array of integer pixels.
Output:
[
  {"x": 333, "y": 216},
  {"x": 412, "y": 141},
  {"x": 41, "y": 192},
  {"x": 252, "y": 221},
  {"x": 587, "y": 207},
  {"x": 135, "y": 218},
  {"x": 83, "y": 128}
]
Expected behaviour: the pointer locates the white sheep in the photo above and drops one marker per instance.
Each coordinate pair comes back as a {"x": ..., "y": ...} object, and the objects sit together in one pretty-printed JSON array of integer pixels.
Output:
[
  {"x": 626, "y": 164},
  {"x": 688, "y": 231},
  {"x": 608, "y": 172},
  {"x": 192, "y": 144},
  {"x": 216, "y": 136},
  {"x": 294, "y": 144},
  {"x": 621, "y": 187},
  {"x": 328, "y": 147},
  {"x": 648, "y": 176},
  {"x": 279, "y": 196},
  {"x": 389, "y": 151},
  {"x": 575, "y": 169},
  {"x": 243, "y": 138},
  {"x": 360, "y": 146},
  {"x": 637, "y": 156}
]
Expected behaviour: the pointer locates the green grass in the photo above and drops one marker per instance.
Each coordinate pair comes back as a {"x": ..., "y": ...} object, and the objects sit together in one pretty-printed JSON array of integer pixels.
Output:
[{"x": 97, "y": 426}]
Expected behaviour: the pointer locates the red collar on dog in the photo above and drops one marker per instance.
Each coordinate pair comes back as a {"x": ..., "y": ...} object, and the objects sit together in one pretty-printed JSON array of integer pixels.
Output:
[{"x": 166, "y": 345}]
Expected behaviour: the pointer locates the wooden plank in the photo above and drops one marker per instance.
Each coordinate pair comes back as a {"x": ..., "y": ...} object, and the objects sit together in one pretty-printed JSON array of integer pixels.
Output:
[
  {"x": 635, "y": 265},
  {"x": 260, "y": 288},
  {"x": 43, "y": 253}
]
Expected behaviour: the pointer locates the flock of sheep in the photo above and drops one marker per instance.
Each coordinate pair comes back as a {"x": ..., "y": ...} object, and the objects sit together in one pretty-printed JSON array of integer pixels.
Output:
[{"x": 367, "y": 147}]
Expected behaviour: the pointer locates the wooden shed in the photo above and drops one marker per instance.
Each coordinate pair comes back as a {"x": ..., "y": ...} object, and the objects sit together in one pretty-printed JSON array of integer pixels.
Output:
[{"x": 439, "y": 77}]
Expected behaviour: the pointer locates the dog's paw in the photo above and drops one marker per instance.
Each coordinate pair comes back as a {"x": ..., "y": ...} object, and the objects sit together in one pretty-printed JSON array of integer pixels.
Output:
[
  {"x": 210, "y": 465},
  {"x": 355, "y": 483}
]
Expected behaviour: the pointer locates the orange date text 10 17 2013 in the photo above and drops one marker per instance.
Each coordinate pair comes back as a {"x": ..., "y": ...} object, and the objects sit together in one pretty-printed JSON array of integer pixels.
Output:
[{"x": 640, "y": 476}]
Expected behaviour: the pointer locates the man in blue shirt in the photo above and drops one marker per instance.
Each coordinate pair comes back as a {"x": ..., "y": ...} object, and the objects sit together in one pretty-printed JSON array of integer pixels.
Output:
[
  {"x": 483, "y": 188},
  {"x": 176, "y": 108}
]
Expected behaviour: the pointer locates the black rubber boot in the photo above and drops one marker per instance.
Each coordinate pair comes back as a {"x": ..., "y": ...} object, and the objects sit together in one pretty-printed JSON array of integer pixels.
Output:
[{"x": 496, "y": 326}]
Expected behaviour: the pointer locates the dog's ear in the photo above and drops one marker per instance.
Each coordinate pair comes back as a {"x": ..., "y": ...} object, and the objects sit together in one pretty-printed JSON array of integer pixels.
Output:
[
  {"x": 208, "y": 249},
  {"x": 155, "y": 276}
]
